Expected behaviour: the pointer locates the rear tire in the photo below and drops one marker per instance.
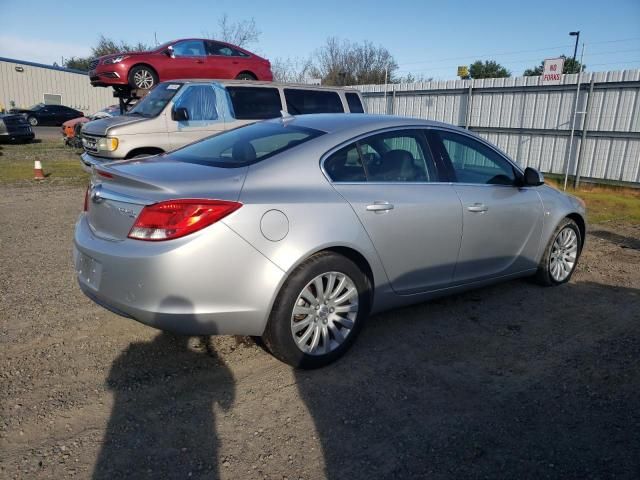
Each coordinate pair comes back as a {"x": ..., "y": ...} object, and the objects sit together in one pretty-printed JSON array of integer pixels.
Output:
[
  {"x": 561, "y": 256},
  {"x": 329, "y": 317},
  {"x": 142, "y": 77},
  {"x": 245, "y": 76}
]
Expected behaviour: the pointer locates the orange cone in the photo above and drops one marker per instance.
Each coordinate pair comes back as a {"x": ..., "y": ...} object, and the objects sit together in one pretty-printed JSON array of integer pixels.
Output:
[{"x": 38, "y": 174}]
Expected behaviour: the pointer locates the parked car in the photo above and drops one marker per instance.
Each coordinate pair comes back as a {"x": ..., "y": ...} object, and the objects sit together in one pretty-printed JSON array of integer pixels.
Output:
[
  {"x": 71, "y": 128},
  {"x": 297, "y": 229},
  {"x": 180, "y": 112},
  {"x": 15, "y": 128},
  {"x": 187, "y": 58},
  {"x": 42, "y": 114}
]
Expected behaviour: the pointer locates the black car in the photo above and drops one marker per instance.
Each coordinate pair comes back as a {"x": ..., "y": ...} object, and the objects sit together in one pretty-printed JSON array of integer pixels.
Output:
[
  {"x": 15, "y": 128},
  {"x": 42, "y": 114}
]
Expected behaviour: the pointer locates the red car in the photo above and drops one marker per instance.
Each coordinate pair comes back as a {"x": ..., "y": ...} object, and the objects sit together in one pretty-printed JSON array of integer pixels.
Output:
[{"x": 188, "y": 58}]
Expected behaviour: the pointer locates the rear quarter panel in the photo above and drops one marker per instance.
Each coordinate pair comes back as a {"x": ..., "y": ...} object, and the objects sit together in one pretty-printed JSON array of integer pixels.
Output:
[{"x": 318, "y": 218}]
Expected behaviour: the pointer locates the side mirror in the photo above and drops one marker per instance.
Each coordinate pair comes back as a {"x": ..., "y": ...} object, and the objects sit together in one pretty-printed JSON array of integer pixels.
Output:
[
  {"x": 532, "y": 177},
  {"x": 180, "y": 114},
  {"x": 169, "y": 52}
]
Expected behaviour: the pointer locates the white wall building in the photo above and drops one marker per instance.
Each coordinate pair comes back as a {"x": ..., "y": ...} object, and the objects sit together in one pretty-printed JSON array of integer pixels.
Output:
[{"x": 28, "y": 83}]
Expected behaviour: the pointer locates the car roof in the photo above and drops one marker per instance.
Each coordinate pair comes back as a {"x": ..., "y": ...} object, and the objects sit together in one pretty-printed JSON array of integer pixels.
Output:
[
  {"x": 260, "y": 83},
  {"x": 355, "y": 123}
]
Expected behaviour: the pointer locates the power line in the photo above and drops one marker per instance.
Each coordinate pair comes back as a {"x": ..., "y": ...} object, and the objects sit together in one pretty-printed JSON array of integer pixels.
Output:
[
  {"x": 466, "y": 57},
  {"x": 485, "y": 55}
]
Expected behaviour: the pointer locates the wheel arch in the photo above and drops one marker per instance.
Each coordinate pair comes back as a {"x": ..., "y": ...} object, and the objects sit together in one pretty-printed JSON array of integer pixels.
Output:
[
  {"x": 582, "y": 225},
  {"x": 248, "y": 72},
  {"x": 143, "y": 64},
  {"x": 142, "y": 150}
]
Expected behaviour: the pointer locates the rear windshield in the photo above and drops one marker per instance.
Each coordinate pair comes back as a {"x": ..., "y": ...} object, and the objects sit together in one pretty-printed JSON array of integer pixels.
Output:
[
  {"x": 246, "y": 145},
  {"x": 155, "y": 101},
  {"x": 255, "y": 103}
]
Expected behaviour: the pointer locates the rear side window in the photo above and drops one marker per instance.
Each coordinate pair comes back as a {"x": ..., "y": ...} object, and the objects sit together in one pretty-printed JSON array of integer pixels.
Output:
[
  {"x": 246, "y": 145},
  {"x": 345, "y": 165},
  {"x": 353, "y": 100},
  {"x": 399, "y": 156},
  {"x": 300, "y": 102},
  {"x": 255, "y": 103}
]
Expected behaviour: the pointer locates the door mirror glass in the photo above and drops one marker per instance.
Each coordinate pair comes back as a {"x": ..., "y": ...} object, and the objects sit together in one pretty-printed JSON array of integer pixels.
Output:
[
  {"x": 532, "y": 177},
  {"x": 169, "y": 51},
  {"x": 180, "y": 114}
]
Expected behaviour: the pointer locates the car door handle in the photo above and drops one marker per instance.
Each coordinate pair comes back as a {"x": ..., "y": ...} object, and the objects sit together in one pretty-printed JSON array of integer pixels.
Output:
[
  {"x": 477, "y": 208},
  {"x": 379, "y": 207},
  {"x": 199, "y": 61}
]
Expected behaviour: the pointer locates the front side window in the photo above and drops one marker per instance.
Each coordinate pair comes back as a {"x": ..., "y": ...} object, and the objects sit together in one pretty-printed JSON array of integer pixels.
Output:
[
  {"x": 189, "y": 48},
  {"x": 255, "y": 103},
  {"x": 200, "y": 102},
  {"x": 246, "y": 145},
  {"x": 300, "y": 102},
  {"x": 474, "y": 162},
  {"x": 154, "y": 102},
  {"x": 353, "y": 100},
  {"x": 397, "y": 156}
]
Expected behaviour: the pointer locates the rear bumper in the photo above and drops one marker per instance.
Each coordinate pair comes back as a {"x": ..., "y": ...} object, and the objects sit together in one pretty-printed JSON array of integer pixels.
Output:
[
  {"x": 211, "y": 282},
  {"x": 17, "y": 136}
]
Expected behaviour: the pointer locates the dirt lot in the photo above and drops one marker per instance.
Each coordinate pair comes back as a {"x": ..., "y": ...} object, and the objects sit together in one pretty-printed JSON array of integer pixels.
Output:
[{"x": 512, "y": 381}]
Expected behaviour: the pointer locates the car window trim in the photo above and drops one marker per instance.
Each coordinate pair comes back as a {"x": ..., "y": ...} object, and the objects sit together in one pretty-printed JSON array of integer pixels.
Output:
[{"x": 360, "y": 137}]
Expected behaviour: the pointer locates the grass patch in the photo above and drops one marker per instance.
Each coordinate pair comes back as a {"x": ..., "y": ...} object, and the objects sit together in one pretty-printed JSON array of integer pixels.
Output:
[
  {"x": 607, "y": 203},
  {"x": 60, "y": 163}
]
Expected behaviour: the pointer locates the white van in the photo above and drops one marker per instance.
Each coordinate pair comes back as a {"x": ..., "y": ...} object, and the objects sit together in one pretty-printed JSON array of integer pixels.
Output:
[{"x": 176, "y": 113}]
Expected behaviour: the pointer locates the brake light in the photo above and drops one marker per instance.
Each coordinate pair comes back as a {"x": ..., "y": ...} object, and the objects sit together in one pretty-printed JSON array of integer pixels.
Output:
[{"x": 177, "y": 218}]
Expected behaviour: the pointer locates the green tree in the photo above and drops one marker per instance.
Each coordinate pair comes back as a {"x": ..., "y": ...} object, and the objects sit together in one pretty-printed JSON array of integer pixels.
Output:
[
  {"x": 570, "y": 66},
  {"x": 487, "y": 69},
  {"x": 105, "y": 46}
]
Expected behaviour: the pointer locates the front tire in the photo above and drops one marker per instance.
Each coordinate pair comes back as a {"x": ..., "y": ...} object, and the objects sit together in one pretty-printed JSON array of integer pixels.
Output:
[
  {"x": 319, "y": 311},
  {"x": 33, "y": 121},
  {"x": 561, "y": 256},
  {"x": 245, "y": 76},
  {"x": 142, "y": 77}
]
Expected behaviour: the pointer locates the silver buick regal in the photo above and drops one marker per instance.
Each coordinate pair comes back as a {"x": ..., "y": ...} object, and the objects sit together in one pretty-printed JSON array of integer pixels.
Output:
[{"x": 297, "y": 229}]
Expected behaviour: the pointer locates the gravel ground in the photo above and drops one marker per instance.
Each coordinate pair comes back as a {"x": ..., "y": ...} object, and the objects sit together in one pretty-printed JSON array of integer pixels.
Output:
[{"x": 511, "y": 381}]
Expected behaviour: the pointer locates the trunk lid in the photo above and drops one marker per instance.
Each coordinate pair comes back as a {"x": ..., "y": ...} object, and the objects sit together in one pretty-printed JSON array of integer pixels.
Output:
[{"x": 120, "y": 190}]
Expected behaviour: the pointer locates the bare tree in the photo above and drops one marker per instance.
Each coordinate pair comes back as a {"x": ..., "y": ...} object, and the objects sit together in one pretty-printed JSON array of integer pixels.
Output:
[
  {"x": 293, "y": 70},
  {"x": 341, "y": 62},
  {"x": 241, "y": 33}
]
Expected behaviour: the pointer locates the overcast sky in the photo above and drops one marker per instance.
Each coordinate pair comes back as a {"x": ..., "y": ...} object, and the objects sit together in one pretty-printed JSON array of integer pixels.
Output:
[{"x": 425, "y": 37}]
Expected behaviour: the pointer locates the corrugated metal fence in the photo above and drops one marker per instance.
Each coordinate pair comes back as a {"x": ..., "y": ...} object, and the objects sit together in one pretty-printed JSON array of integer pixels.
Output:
[{"x": 532, "y": 122}]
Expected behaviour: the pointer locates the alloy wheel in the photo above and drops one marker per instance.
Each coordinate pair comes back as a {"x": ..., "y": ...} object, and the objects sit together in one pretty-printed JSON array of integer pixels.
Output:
[
  {"x": 143, "y": 79},
  {"x": 564, "y": 254},
  {"x": 324, "y": 313}
]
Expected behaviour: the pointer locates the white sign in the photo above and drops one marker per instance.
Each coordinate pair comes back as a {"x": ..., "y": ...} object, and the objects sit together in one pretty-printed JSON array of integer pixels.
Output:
[{"x": 552, "y": 72}]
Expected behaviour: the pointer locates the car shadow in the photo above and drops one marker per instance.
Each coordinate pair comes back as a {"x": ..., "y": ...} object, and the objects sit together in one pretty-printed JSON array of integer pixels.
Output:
[
  {"x": 617, "y": 239},
  {"x": 162, "y": 422},
  {"x": 509, "y": 381}
]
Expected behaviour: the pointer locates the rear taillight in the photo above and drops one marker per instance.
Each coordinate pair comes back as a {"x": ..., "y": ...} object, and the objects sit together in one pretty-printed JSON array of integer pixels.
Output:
[
  {"x": 177, "y": 218},
  {"x": 86, "y": 199}
]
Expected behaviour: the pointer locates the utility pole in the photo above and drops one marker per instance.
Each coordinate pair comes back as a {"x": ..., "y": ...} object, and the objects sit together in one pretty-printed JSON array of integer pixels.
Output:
[{"x": 573, "y": 122}]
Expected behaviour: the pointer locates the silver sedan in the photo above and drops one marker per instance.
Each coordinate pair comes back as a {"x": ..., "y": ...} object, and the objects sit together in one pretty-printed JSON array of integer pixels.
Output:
[{"x": 297, "y": 229}]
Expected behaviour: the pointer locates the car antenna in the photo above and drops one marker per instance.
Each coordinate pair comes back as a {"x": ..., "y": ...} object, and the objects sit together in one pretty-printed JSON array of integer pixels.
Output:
[{"x": 286, "y": 117}]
